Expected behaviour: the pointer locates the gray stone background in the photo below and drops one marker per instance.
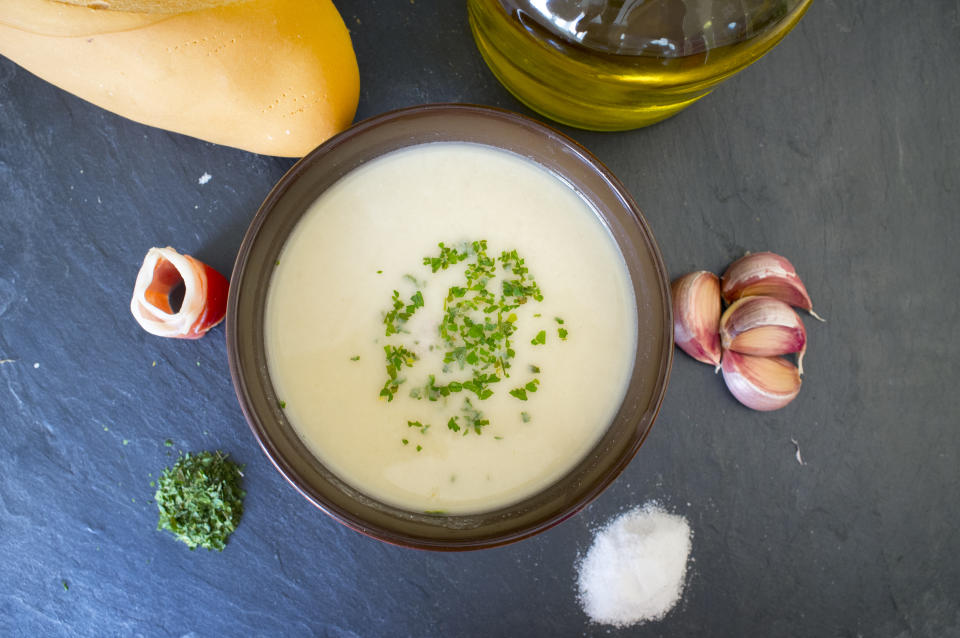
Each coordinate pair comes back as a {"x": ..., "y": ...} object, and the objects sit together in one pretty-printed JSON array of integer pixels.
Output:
[{"x": 839, "y": 149}]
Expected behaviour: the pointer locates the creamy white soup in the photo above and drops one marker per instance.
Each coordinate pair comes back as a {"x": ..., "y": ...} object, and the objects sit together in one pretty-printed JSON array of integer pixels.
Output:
[{"x": 453, "y": 378}]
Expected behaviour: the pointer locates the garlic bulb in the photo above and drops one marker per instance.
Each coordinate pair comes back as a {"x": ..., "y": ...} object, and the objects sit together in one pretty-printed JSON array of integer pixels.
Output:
[
  {"x": 761, "y": 383},
  {"x": 766, "y": 274},
  {"x": 696, "y": 316},
  {"x": 763, "y": 326}
]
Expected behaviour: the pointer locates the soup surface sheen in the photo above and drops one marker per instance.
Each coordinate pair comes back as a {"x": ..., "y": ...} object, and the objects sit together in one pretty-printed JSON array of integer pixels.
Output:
[{"x": 328, "y": 311}]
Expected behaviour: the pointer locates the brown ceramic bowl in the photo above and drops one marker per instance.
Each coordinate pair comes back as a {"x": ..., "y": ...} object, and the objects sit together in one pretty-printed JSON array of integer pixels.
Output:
[{"x": 316, "y": 172}]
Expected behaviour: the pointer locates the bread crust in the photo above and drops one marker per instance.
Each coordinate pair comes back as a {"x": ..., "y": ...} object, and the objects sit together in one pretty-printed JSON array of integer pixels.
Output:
[
  {"x": 276, "y": 77},
  {"x": 150, "y": 6},
  {"x": 44, "y": 17}
]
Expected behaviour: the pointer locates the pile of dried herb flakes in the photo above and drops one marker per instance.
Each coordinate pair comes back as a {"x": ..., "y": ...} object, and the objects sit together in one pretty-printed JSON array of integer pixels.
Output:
[{"x": 200, "y": 499}]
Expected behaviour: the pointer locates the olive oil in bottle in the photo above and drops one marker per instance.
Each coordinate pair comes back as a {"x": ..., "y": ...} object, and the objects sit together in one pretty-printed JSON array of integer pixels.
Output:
[{"x": 620, "y": 64}]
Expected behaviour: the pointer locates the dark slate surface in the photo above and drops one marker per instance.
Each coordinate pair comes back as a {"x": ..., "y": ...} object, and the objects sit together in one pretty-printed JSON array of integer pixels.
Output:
[{"x": 839, "y": 150}]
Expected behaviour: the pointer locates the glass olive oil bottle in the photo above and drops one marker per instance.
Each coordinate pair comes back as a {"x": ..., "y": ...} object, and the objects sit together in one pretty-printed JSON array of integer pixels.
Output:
[{"x": 619, "y": 64}]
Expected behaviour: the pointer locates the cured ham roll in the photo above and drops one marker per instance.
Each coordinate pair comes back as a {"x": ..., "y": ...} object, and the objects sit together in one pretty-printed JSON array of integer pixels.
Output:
[{"x": 204, "y": 299}]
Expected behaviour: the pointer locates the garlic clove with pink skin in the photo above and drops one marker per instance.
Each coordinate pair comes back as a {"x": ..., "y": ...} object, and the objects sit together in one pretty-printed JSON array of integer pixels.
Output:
[
  {"x": 763, "y": 326},
  {"x": 766, "y": 274},
  {"x": 696, "y": 316},
  {"x": 760, "y": 383}
]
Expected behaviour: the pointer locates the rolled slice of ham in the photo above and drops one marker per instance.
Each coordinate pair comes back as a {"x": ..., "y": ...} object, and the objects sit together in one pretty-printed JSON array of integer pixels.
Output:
[{"x": 204, "y": 299}]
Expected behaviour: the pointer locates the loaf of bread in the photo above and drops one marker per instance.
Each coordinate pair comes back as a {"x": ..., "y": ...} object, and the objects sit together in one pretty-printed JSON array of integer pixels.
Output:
[{"x": 276, "y": 77}]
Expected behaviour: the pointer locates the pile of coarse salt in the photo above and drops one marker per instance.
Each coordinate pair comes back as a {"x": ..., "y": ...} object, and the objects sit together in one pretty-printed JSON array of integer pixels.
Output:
[{"x": 635, "y": 569}]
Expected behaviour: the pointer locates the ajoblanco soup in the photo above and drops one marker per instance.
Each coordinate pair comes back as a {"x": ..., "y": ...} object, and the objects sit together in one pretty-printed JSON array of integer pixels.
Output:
[{"x": 450, "y": 328}]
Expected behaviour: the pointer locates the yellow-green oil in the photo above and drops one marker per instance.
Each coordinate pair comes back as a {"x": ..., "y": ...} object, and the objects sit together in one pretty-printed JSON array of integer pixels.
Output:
[{"x": 585, "y": 88}]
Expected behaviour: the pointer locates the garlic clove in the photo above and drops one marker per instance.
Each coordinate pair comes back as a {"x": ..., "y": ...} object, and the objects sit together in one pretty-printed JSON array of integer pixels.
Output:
[
  {"x": 763, "y": 326},
  {"x": 760, "y": 383},
  {"x": 766, "y": 274},
  {"x": 696, "y": 316}
]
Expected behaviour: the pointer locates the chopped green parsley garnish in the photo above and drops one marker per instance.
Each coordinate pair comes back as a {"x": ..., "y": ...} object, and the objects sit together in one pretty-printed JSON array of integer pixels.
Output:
[
  {"x": 168, "y": 443},
  {"x": 405, "y": 441},
  {"x": 416, "y": 282},
  {"x": 562, "y": 333},
  {"x": 448, "y": 257},
  {"x": 525, "y": 417},
  {"x": 65, "y": 586},
  {"x": 521, "y": 393},
  {"x": 558, "y": 320},
  {"x": 355, "y": 357},
  {"x": 282, "y": 404},
  {"x": 473, "y": 417},
  {"x": 397, "y": 358},
  {"x": 419, "y": 448},
  {"x": 200, "y": 500},
  {"x": 475, "y": 334},
  {"x": 401, "y": 312}
]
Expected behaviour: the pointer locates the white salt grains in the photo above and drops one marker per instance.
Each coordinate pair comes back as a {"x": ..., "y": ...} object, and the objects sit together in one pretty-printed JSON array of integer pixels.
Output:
[{"x": 635, "y": 569}]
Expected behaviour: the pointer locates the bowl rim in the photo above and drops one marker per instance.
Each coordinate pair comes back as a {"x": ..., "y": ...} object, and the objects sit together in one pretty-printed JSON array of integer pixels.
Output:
[{"x": 239, "y": 374}]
